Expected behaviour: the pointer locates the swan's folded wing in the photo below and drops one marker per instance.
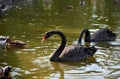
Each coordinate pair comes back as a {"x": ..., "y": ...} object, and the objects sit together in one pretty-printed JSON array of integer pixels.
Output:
[{"x": 73, "y": 53}]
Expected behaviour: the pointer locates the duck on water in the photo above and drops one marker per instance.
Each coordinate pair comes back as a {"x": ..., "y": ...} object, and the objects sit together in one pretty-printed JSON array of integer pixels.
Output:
[
  {"x": 5, "y": 40},
  {"x": 5, "y": 72},
  {"x": 70, "y": 53}
]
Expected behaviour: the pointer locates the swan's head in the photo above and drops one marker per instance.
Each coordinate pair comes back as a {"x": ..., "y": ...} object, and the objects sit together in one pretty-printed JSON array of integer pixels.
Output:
[
  {"x": 91, "y": 51},
  {"x": 47, "y": 35},
  {"x": 111, "y": 33}
]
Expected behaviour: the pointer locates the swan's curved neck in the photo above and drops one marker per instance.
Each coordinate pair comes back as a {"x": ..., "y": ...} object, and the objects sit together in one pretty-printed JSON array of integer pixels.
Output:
[
  {"x": 87, "y": 36},
  {"x": 56, "y": 54}
]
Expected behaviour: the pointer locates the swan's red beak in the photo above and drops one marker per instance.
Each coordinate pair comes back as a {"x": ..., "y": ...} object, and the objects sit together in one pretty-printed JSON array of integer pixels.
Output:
[{"x": 43, "y": 39}]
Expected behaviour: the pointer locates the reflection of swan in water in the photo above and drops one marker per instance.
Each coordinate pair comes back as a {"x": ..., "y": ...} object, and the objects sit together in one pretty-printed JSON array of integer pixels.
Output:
[
  {"x": 102, "y": 35},
  {"x": 70, "y": 53},
  {"x": 68, "y": 66},
  {"x": 58, "y": 67}
]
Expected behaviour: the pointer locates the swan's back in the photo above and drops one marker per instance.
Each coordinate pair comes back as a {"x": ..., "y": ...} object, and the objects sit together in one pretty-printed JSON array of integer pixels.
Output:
[
  {"x": 103, "y": 35},
  {"x": 75, "y": 53}
]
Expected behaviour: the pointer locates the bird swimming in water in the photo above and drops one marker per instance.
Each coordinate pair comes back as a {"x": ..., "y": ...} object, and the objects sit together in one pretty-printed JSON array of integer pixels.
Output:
[
  {"x": 69, "y": 53},
  {"x": 5, "y": 72},
  {"x": 5, "y": 40},
  {"x": 102, "y": 35}
]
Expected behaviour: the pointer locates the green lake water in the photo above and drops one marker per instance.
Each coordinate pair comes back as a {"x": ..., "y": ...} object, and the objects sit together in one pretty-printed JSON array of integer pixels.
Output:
[{"x": 28, "y": 20}]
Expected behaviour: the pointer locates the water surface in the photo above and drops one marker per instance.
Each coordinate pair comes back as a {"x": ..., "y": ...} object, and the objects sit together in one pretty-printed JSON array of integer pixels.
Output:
[{"x": 28, "y": 20}]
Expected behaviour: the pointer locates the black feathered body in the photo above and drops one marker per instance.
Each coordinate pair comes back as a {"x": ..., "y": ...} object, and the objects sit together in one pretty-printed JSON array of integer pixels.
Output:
[
  {"x": 70, "y": 53},
  {"x": 74, "y": 53},
  {"x": 103, "y": 35}
]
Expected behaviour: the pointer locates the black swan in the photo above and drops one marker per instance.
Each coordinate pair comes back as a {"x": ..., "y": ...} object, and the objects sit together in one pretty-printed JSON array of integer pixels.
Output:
[
  {"x": 70, "y": 53},
  {"x": 5, "y": 40},
  {"x": 5, "y": 72},
  {"x": 102, "y": 35}
]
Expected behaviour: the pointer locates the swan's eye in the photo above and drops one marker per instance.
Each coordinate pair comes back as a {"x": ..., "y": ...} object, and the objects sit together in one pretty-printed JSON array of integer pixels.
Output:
[{"x": 47, "y": 36}]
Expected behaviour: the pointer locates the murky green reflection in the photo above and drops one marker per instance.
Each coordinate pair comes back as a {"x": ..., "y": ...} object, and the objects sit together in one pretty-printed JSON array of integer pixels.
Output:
[{"x": 28, "y": 21}]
